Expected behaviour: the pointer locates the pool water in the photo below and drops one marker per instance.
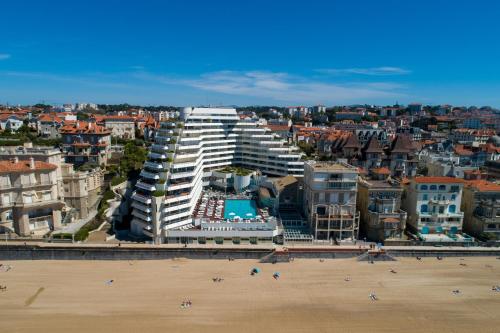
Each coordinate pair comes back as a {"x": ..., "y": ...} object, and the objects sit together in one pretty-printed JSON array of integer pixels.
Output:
[{"x": 240, "y": 208}]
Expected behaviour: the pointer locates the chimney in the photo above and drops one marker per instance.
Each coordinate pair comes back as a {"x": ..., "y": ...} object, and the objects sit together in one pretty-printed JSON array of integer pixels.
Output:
[{"x": 32, "y": 163}]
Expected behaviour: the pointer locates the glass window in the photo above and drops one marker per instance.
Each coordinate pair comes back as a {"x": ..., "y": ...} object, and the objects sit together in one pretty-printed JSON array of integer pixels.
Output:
[
  {"x": 453, "y": 197},
  {"x": 433, "y": 187},
  {"x": 442, "y": 187},
  {"x": 423, "y": 209},
  {"x": 425, "y": 197},
  {"x": 423, "y": 187},
  {"x": 452, "y": 208}
]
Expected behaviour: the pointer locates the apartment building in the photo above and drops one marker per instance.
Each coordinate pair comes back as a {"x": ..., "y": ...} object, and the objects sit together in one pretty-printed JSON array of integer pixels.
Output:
[
  {"x": 330, "y": 200},
  {"x": 379, "y": 203},
  {"x": 481, "y": 206},
  {"x": 120, "y": 126},
  {"x": 82, "y": 189},
  {"x": 78, "y": 189},
  {"x": 41, "y": 154},
  {"x": 182, "y": 159},
  {"x": 30, "y": 202},
  {"x": 433, "y": 205},
  {"x": 86, "y": 142}
]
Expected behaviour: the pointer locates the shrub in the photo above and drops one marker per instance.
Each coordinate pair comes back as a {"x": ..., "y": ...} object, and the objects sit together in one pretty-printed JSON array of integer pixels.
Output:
[
  {"x": 161, "y": 181},
  {"x": 108, "y": 195},
  {"x": 62, "y": 236},
  {"x": 158, "y": 193},
  {"x": 84, "y": 231},
  {"x": 117, "y": 180}
]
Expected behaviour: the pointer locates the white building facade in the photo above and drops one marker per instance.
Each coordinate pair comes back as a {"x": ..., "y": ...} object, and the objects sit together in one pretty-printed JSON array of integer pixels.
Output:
[
  {"x": 184, "y": 155},
  {"x": 433, "y": 205}
]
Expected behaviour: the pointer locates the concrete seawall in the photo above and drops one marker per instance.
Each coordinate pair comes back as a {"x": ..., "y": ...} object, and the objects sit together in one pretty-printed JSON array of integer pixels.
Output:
[
  {"x": 265, "y": 254},
  {"x": 121, "y": 253}
]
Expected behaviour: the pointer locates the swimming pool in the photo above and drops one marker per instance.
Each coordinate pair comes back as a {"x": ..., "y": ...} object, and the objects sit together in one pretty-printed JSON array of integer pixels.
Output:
[{"x": 242, "y": 208}]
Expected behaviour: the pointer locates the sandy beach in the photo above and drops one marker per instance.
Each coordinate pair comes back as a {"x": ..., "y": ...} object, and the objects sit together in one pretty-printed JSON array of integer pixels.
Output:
[{"x": 309, "y": 296}]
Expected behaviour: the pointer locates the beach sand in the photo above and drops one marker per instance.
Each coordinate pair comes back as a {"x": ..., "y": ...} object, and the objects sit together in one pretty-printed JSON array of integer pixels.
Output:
[{"x": 310, "y": 296}]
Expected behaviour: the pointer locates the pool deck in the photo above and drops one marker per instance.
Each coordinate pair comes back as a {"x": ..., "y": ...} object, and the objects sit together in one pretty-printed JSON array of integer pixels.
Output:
[{"x": 212, "y": 207}]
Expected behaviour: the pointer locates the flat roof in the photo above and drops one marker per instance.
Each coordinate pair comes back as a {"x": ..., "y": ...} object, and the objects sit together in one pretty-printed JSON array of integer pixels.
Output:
[{"x": 329, "y": 166}]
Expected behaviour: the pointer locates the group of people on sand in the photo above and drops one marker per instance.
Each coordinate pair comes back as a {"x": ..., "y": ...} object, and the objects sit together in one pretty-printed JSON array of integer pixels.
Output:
[
  {"x": 3, "y": 288},
  {"x": 217, "y": 279},
  {"x": 186, "y": 304},
  {"x": 496, "y": 288},
  {"x": 5, "y": 268},
  {"x": 373, "y": 297}
]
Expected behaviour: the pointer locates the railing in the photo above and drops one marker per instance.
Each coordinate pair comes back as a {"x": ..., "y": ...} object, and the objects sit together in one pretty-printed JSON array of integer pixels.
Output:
[
  {"x": 10, "y": 186},
  {"x": 41, "y": 221}
]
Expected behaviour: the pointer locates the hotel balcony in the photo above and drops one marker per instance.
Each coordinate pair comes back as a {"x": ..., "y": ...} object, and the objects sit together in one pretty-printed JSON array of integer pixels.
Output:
[
  {"x": 141, "y": 198},
  {"x": 159, "y": 148},
  {"x": 157, "y": 156},
  {"x": 439, "y": 202},
  {"x": 154, "y": 166},
  {"x": 142, "y": 216},
  {"x": 149, "y": 175},
  {"x": 145, "y": 186},
  {"x": 141, "y": 207}
]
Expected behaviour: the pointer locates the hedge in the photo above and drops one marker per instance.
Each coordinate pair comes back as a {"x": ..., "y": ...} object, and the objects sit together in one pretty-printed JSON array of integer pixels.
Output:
[{"x": 117, "y": 180}]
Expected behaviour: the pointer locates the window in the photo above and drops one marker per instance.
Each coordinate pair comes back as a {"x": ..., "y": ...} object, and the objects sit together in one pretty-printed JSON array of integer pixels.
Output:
[
  {"x": 433, "y": 187},
  {"x": 453, "y": 197},
  {"x": 423, "y": 209},
  {"x": 425, "y": 197},
  {"x": 442, "y": 187},
  {"x": 423, "y": 187},
  {"x": 452, "y": 209},
  {"x": 441, "y": 209},
  {"x": 454, "y": 188}
]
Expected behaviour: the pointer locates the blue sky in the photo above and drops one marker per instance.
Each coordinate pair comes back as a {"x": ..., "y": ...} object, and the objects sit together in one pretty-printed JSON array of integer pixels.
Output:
[{"x": 250, "y": 52}]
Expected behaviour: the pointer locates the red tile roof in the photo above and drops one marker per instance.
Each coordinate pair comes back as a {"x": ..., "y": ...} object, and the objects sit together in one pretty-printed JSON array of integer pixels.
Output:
[
  {"x": 46, "y": 117},
  {"x": 439, "y": 180},
  {"x": 382, "y": 171},
  {"x": 483, "y": 185},
  {"x": 24, "y": 166},
  {"x": 83, "y": 127},
  {"x": 278, "y": 127}
]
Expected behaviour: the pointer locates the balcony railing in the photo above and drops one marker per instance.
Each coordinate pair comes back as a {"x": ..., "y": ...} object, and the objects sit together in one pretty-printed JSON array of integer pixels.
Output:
[
  {"x": 141, "y": 198},
  {"x": 149, "y": 175}
]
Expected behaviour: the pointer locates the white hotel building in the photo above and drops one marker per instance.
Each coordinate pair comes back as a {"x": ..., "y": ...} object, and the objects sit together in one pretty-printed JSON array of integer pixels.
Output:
[
  {"x": 433, "y": 206},
  {"x": 185, "y": 153}
]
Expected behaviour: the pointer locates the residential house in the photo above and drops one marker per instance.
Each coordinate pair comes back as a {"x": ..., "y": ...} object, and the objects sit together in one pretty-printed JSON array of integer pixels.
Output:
[{"x": 481, "y": 206}]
